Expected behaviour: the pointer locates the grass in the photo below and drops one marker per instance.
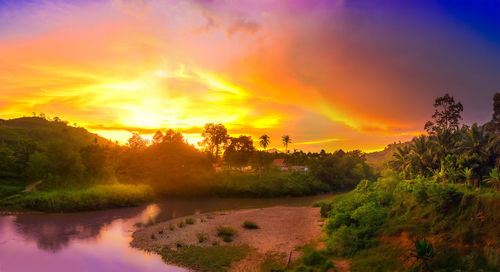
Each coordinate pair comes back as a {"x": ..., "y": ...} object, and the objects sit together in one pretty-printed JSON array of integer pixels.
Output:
[
  {"x": 181, "y": 224},
  {"x": 226, "y": 233},
  {"x": 208, "y": 259},
  {"x": 385, "y": 257},
  {"x": 273, "y": 261},
  {"x": 189, "y": 221},
  {"x": 250, "y": 225},
  {"x": 72, "y": 200},
  {"x": 202, "y": 237}
]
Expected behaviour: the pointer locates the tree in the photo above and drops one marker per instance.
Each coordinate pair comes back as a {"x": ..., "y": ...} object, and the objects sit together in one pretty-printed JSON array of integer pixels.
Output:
[
  {"x": 136, "y": 142},
  {"x": 496, "y": 113},
  {"x": 158, "y": 137},
  {"x": 239, "y": 151},
  {"x": 494, "y": 179},
  {"x": 402, "y": 161},
  {"x": 214, "y": 135},
  {"x": 475, "y": 142},
  {"x": 447, "y": 115},
  {"x": 286, "y": 141},
  {"x": 264, "y": 141},
  {"x": 422, "y": 152},
  {"x": 172, "y": 136}
]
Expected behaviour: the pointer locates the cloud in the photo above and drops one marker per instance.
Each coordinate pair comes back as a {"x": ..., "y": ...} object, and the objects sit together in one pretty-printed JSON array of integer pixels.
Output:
[{"x": 362, "y": 73}]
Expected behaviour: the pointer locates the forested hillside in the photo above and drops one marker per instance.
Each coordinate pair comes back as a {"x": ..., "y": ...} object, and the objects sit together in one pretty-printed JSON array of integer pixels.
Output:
[{"x": 435, "y": 207}]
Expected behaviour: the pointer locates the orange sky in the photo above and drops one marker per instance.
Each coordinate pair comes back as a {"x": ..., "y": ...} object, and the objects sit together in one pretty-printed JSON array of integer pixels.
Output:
[{"x": 324, "y": 73}]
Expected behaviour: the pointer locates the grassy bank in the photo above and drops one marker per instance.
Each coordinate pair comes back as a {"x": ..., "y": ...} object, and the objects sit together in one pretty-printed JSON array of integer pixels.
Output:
[
  {"x": 378, "y": 223},
  {"x": 80, "y": 199},
  {"x": 207, "y": 259}
]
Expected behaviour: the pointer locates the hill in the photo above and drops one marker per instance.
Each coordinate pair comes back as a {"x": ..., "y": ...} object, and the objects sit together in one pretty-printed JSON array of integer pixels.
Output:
[
  {"x": 31, "y": 144},
  {"x": 379, "y": 158}
]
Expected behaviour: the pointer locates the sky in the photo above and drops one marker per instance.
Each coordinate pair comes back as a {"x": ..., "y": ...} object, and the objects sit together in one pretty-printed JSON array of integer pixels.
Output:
[{"x": 350, "y": 74}]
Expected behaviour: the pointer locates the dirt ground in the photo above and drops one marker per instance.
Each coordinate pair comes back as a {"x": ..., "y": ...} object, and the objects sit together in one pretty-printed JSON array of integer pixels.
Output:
[{"x": 281, "y": 230}]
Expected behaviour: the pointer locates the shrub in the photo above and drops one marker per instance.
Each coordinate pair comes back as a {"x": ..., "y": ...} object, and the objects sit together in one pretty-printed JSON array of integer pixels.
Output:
[
  {"x": 325, "y": 209},
  {"x": 189, "y": 221},
  {"x": 369, "y": 215},
  {"x": 337, "y": 220},
  {"x": 202, "y": 237},
  {"x": 181, "y": 224},
  {"x": 448, "y": 197},
  {"x": 226, "y": 233},
  {"x": 250, "y": 225},
  {"x": 344, "y": 241}
]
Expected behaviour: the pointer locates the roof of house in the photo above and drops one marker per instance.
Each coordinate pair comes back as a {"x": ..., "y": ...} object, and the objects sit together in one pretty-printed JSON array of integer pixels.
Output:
[{"x": 279, "y": 162}]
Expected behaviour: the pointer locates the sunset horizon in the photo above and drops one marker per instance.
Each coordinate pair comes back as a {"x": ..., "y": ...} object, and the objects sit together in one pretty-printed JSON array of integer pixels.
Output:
[
  {"x": 116, "y": 67},
  {"x": 249, "y": 135}
]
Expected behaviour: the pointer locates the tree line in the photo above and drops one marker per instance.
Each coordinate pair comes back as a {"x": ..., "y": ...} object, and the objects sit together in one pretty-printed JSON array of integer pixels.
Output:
[
  {"x": 451, "y": 151},
  {"x": 34, "y": 148}
]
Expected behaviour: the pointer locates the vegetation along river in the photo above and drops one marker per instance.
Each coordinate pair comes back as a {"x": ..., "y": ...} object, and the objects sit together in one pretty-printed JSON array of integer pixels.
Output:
[{"x": 99, "y": 240}]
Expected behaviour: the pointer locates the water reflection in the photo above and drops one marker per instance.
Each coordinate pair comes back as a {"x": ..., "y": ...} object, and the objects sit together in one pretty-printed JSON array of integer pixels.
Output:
[{"x": 99, "y": 241}]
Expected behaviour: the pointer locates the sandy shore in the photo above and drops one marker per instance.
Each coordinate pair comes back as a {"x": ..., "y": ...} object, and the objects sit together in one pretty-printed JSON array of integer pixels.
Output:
[{"x": 282, "y": 229}]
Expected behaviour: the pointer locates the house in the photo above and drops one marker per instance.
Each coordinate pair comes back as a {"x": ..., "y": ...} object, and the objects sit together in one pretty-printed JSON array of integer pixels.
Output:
[
  {"x": 217, "y": 166},
  {"x": 300, "y": 168},
  {"x": 280, "y": 163}
]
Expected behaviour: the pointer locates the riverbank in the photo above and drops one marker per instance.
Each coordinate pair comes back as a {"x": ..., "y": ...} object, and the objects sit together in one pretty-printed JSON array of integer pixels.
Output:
[
  {"x": 278, "y": 233},
  {"x": 97, "y": 197}
]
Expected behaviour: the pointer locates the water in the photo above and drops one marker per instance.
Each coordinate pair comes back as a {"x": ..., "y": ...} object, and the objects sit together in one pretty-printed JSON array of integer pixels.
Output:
[{"x": 99, "y": 241}]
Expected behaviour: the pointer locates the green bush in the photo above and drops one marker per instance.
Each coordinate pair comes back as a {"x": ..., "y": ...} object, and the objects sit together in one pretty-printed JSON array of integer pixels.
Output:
[
  {"x": 250, "y": 225},
  {"x": 92, "y": 198},
  {"x": 189, "y": 221},
  {"x": 202, "y": 237},
  {"x": 344, "y": 241},
  {"x": 226, "y": 233}
]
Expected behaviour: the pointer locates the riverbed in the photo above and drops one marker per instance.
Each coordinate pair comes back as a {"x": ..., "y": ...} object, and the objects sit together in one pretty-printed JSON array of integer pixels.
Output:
[{"x": 100, "y": 240}]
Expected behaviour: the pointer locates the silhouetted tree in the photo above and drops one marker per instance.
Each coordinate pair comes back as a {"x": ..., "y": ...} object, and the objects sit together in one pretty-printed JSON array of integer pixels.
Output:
[
  {"x": 286, "y": 141},
  {"x": 264, "y": 141},
  {"x": 136, "y": 142},
  {"x": 214, "y": 136},
  {"x": 172, "y": 136},
  {"x": 447, "y": 115},
  {"x": 158, "y": 137}
]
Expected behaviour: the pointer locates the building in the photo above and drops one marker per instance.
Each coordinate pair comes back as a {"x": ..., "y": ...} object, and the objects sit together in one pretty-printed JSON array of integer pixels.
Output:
[{"x": 280, "y": 163}]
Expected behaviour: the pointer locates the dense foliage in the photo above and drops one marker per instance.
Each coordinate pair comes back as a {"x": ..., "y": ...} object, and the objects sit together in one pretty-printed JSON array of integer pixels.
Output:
[
  {"x": 450, "y": 153},
  {"x": 373, "y": 223},
  {"x": 67, "y": 163},
  {"x": 434, "y": 209}
]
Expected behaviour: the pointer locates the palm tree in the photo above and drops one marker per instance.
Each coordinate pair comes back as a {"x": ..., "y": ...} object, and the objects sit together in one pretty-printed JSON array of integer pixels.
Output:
[
  {"x": 494, "y": 179},
  {"x": 422, "y": 152},
  {"x": 286, "y": 141},
  {"x": 475, "y": 142},
  {"x": 264, "y": 141},
  {"x": 402, "y": 161},
  {"x": 467, "y": 173}
]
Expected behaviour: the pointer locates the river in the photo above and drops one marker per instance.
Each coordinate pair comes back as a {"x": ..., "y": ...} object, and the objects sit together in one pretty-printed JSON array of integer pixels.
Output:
[{"x": 99, "y": 240}]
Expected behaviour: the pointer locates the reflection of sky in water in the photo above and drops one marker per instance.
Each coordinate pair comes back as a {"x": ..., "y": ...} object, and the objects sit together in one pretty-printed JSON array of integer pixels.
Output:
[
  {"x": 76, "y": 250},
  {"x": 99, "y": 240}
]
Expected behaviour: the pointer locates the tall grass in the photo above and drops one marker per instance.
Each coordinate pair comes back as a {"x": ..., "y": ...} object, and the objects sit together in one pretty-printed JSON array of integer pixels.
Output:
[{"x": 92, "y": 198}]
